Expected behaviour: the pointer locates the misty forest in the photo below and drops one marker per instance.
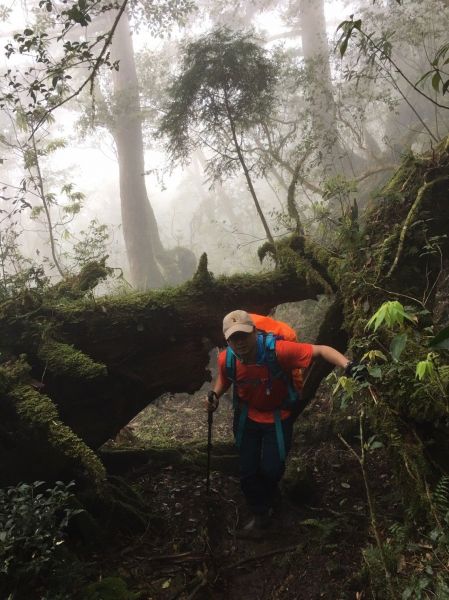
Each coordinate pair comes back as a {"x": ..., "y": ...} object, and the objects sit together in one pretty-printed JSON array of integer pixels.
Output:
[{"x": 166, "y": 162}]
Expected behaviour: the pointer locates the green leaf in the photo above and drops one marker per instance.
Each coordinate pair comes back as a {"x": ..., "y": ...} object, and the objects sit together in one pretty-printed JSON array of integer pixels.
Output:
[
  {"x": 373, "y": 355},
  {"x": 391, "y": 314},
  {"x": 424, "y": 77},
  {"x": 343, "y": 46},
  {"x": 424, "y": 369},
  {"x": 420, "y": 370},
  {"x": 441, "y": 340},
  {"x": 436, "y": 80},
  {"x": 375, "y": 372},
  {"x": 397, "y": 346},
  {"x": 441, "y": 53},
  {"x": 375, "y": 445}
]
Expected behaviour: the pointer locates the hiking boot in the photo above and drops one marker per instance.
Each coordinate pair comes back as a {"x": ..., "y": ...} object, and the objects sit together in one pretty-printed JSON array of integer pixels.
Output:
[{"x": 256, "y": 528}]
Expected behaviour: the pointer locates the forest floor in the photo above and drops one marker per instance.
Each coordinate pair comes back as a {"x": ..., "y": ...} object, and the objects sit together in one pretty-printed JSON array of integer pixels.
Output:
[{"x": 314, "y": 547}]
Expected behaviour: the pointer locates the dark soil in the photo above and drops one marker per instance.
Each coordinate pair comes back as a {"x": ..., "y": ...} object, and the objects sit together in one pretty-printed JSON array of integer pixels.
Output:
[{"x": 313, "y": 548}]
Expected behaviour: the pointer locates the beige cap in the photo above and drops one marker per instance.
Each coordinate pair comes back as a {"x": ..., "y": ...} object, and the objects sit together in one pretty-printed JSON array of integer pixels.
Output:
[{"x": 237, "y": 320}]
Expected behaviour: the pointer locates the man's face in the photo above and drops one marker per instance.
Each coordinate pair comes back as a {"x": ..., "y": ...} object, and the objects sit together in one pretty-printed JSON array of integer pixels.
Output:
[{"x": 243, "y": 344}]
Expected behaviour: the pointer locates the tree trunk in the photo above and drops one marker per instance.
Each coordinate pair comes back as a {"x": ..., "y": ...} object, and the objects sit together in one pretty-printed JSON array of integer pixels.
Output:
[
  {"x": 320, "y": 98},
  {"x": 333, "y": 156},
  {"x": 140, "y": 229}
]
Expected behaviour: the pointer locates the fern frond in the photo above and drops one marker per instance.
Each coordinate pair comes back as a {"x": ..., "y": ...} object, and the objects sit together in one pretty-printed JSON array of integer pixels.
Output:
[{"x": 441, "y": 495}]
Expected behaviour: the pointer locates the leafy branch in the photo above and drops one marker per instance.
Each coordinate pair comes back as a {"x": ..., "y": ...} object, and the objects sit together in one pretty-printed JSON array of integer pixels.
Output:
[
  {"x": 383, "y": 50},
  {"x": 98, "y": 63}
]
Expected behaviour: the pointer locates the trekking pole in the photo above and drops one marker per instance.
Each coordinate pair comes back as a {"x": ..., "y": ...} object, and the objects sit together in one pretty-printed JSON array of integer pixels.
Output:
[{"x": 210, "y": 418}]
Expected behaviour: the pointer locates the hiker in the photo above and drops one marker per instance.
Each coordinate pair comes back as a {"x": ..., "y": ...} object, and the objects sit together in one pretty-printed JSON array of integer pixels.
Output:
[{"x": 259, "y": 366}]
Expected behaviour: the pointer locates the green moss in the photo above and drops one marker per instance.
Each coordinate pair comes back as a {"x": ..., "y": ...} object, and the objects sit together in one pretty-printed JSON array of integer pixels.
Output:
[
  {"x": 65, "y": 359},
  {"x": 400, "y": 179},
  {"x": 293, "y": 255},
  {"x": 36, "y": 410},
  {"x": 91, "y": 274},
  {"x": 386, "y": 249},
  {"x": 65, "y": 440},
  {"x": 86, "y": 280},
  {"x": 203, "y": 276},
  {"x": 32, "y": 407},
  {"x": 267, "y": 249},
  {"x": 134, "y": 307},
  {"x": 12, "y": 372},
  {"x": 22, "y": 305}
]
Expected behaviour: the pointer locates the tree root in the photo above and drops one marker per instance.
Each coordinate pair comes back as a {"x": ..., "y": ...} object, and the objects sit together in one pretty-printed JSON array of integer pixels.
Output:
[{"x": 410, "y": 217}]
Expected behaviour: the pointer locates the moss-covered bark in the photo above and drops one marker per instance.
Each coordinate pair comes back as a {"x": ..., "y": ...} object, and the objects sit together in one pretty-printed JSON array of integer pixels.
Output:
[{"x": 403, "y": 256}]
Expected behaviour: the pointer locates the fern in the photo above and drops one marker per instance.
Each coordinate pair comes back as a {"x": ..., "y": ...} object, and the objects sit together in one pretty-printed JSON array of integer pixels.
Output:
[{"x": 441, "y": 495}]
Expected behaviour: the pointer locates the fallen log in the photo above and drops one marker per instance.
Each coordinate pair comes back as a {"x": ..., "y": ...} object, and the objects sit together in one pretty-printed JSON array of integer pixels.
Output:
[{"x": 100, "y": 361}]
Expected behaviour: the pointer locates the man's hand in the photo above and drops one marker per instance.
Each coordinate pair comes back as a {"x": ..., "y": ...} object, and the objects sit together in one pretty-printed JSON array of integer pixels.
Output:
[
  {"x": 356, "y": 371},
  {"x": 211, "y": 402}
]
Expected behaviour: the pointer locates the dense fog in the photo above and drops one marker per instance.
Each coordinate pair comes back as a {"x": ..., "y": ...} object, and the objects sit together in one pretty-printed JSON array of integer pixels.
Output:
[{"x": 154, "y": 132}]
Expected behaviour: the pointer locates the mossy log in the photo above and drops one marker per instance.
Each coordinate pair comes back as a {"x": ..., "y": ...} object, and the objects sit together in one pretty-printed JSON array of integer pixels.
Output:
[
  {"x": 153, "y": 343},
  {"x": 99, "y": 362},
  {"x": 135, "y": 461}
]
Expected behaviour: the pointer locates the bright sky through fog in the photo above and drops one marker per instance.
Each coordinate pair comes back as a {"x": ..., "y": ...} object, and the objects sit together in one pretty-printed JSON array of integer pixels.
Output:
[
  {"x": 335, "y": 11},
  {"x": 100, "y": 182}
]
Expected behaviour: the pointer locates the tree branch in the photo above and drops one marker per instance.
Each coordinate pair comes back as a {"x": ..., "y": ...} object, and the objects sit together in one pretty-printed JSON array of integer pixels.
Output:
[{"x": 92, "y": 75}]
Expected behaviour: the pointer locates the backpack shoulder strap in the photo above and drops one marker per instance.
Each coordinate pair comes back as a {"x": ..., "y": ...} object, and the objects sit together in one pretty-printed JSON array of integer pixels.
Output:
[
  {"x": 270, "y": 355},
  {"x": 230, "y": 364},
  {"x": 231, "y": 368},
  {"x": 276, "y": 370}
]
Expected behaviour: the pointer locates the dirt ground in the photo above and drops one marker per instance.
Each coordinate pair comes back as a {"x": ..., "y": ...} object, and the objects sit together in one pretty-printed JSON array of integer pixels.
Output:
[{"x": 312, "y": 550}]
